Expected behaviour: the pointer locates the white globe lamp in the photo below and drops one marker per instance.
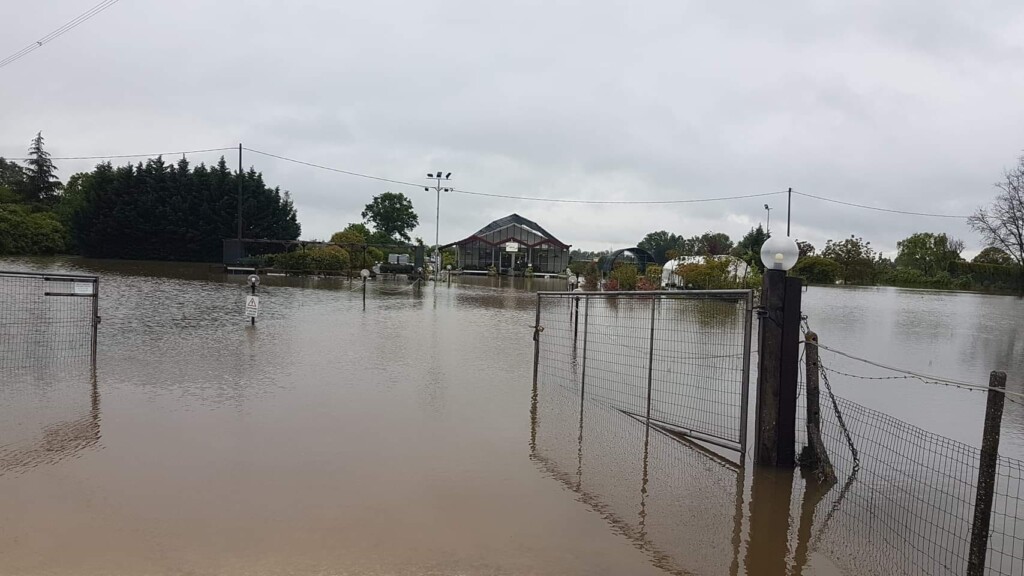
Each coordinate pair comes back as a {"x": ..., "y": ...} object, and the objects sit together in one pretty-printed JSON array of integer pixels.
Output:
[{"x": 779, "y": 253}]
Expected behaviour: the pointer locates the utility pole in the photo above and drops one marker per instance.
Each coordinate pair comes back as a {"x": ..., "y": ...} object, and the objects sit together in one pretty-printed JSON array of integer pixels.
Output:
[
  {"x": 438, "y": 177},
  {"x": 789, "y": 210},
  {"x": 240, "y": 197}
]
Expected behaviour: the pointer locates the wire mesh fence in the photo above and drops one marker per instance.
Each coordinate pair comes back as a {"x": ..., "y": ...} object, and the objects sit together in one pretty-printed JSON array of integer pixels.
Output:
[
  {"x": 678, "y": 358},
  {"x": 47, "y": 318},
  {"x": 905, "y": 498}
]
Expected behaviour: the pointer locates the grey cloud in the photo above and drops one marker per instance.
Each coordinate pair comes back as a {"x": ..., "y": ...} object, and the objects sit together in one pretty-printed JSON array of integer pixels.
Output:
[{"x": 891, "y": 104}]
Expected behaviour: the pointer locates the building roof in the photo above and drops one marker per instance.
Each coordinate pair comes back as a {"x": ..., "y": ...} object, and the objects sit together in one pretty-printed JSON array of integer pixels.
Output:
[{"x": 514, "y": 220}]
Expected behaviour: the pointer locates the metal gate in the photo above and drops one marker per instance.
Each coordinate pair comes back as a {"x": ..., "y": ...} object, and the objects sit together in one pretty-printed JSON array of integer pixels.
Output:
[
  {"x": 680, "y": 359},
  {"x": 47, "y": 318}
]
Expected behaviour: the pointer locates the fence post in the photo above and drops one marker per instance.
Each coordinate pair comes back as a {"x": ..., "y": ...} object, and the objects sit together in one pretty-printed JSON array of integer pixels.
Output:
[
  {"x": 586, "y": 323},
  {"x": 778, "y": 364},
  {"x": 95, "y": 317},
  {"x": 650, "y": 359},
  {"x": 815, "y": 456},
  {"x": 986, "y": 474}
]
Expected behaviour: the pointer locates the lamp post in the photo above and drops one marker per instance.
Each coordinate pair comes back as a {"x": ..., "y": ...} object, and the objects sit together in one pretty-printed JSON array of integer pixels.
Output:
[
  {"x": 779, "y": 355},
  {"x": 768, "y": 224},
  {"x": 438, "y": 177}
]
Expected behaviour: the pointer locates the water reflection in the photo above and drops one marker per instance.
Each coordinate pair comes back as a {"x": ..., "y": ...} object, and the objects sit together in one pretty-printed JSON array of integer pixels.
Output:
[
  {"x": 49, "y": 416},
  {"x": 669, "y": 496}
]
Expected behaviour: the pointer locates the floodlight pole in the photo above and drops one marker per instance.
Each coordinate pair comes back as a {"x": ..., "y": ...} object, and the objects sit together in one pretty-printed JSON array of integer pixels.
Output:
[{"x": 438, "y": 177}]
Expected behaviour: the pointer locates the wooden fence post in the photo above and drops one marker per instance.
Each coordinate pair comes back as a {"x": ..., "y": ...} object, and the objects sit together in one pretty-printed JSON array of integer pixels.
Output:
[
  {"x": 815, "y": 456},
  {"x": 987, "y": 474}
]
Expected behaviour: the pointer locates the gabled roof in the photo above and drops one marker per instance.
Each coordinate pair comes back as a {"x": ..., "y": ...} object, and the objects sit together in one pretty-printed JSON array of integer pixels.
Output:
[{"x": 514, "y": 220}]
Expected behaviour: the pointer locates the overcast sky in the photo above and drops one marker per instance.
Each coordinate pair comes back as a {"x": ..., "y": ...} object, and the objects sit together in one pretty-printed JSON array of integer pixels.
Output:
[{"x": 906, "y": 105}]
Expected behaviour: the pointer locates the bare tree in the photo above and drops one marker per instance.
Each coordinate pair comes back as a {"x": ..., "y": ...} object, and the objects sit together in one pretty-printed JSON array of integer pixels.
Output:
[{"x": 1002, "y": 224}]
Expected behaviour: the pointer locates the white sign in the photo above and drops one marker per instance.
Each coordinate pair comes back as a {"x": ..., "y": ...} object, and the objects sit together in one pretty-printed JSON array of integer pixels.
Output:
[
  {"x": 512, "y": 247},
  {"x": 252, "y": 306},
  {"x": 84, "y": 288}
]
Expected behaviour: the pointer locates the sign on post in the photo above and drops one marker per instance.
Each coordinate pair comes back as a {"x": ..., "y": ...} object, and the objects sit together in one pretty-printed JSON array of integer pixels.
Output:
[{"x": 252, "y": 306}]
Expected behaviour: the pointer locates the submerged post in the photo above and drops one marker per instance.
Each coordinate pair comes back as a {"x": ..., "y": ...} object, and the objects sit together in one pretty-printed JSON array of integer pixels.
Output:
[
  {"x": 987, "y": 465},
  {"x": 779, "y": 357},
  {"x": 95, "y": 318},
  {"x": 815, "y": 456},
  {"x": 650, "y": 358}
]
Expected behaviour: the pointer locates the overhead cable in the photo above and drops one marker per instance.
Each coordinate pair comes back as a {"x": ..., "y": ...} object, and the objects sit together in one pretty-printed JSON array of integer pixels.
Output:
[{"x": 73, "y": 23}]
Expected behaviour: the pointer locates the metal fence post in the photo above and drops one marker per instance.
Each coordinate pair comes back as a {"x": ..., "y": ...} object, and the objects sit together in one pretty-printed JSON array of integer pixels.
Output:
[
  {"x": 986, "y": 474},
  {"x": 650, "y": 359},
  {"x": 95, "y": 318},
  {"x": 748, "y": 320},
  {"x": 586, "y": 322},
  {"x": 536, "y": 343}
]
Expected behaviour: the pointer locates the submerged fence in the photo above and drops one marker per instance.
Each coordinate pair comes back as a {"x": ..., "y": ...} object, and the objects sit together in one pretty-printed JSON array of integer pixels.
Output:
[
  {"x": 47, "y": 318},
  {"x": 681, "y": 359},
  {"x": 905, "y": 498},
  {"x": 902, "y": 500}
]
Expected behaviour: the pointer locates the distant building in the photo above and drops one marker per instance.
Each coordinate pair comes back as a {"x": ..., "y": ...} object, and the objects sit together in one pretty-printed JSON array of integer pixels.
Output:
[
  {"x": 512, "y": 244},
  {"x": 738, "y": 269}
]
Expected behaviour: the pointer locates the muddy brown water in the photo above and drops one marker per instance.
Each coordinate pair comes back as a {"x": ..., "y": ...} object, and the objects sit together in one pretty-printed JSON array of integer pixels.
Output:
[{"x": 399, "y": 440}]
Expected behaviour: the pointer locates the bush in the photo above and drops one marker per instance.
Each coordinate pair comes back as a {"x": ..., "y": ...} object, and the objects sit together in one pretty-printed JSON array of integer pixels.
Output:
[
  {"x": 817, "y": 270},
  {"x": 653, "y": 275},
  {"x": 25, "y": 232},
  {"x": 314, "y": 260},
  {"x": 712, "y": 274},
  {"x": 624, "y": 277}
]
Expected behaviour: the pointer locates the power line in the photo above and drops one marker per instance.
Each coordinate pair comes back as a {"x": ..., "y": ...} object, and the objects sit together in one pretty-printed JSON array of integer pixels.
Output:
[
  {"x": 73, "y": 23},
  {"x": 575, "y": 201},
  {"x": 866, "y": 207},
  {"x": 152, "y": 155},
  {"x": 510, "y": 197},
  {"x": 329, "y": 169}
]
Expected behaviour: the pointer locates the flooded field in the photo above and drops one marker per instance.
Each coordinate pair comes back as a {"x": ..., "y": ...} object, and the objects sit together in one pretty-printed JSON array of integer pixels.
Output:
[{"x": 403, "y": 439}]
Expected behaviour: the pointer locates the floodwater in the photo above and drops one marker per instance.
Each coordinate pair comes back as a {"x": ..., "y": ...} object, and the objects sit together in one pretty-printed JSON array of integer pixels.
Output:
[{"x": 403, "y": 439}]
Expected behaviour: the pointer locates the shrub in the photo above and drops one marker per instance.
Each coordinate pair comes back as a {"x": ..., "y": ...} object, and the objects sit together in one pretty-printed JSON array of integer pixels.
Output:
[
  {"x": 25, "y": 232},
  {"x": 817, "y": 270},
  {"x": 314, "y": 260},
  {"x": 625, "y": 277}
]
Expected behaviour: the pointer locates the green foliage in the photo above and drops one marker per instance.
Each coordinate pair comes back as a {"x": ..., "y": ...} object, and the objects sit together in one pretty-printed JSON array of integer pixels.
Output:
[
  {"x": 711, "y": 274},
  {"x": 749, "y": 247},
  {"x": 623, "y": 278},
  {"x": 12, "y": 182},
  {"x": 806, "y": 248},
  {"x": 41, "y": 184},
  {"x": 653, "y": 274},
  {"x": 993, "y": 255},
  {"x": 353, "y": 234},
  {"x": 816, "y": 270},
  {"x": 712, "y": 244},
  {"x": 659, "y": 243},
  {"x": 23, "y": 231},
  {"x": 927, "y": 252},
  {"x": 988, "y": 277},
  {"x": 391, "y": 214},
  {"x": 314, "y": 260},
  {"x": 855, "y": 259},
  {"x": 157, "y": 211}
]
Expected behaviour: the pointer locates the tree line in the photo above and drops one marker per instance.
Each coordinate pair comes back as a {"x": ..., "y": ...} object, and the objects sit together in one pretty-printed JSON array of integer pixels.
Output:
[{"x": 151, "y": 210}]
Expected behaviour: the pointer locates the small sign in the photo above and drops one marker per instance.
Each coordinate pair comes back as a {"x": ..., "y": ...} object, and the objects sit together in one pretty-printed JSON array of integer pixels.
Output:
[
  {"x": 252, "y": 306},
  {"x": 83, "y": 288},
  {"x": 512, "y": 247}
]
